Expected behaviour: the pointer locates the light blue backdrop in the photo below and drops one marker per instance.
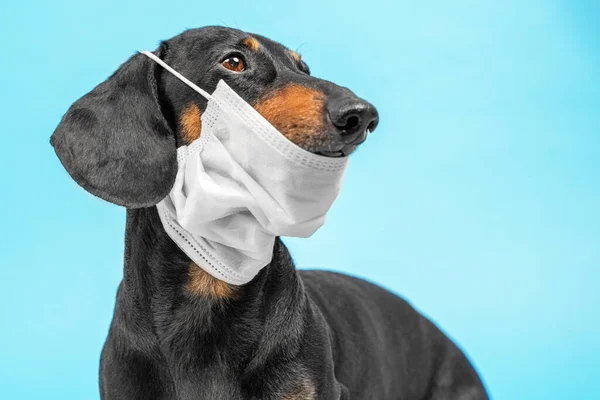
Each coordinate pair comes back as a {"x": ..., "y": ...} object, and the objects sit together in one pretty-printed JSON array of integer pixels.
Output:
[{"x": 478, "y": 197}]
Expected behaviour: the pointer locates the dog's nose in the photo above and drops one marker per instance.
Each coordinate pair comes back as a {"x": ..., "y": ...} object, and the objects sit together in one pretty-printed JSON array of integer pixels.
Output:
[{"x": 353, "y": 117}]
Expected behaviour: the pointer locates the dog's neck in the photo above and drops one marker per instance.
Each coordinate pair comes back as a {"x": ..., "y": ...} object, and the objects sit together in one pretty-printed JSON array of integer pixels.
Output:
[{"x": 191, "y": 322}]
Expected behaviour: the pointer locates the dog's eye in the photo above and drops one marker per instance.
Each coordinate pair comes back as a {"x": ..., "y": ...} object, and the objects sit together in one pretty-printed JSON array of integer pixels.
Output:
[{"x": 234, "y": 63}]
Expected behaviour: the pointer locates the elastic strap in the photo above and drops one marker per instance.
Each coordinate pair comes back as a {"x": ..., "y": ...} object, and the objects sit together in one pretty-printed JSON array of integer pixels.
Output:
[{"x": 177, "y": 74}]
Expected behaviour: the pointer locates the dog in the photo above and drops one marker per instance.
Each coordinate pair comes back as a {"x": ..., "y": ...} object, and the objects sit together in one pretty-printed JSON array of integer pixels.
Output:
[{"x": 178, "y": 332}]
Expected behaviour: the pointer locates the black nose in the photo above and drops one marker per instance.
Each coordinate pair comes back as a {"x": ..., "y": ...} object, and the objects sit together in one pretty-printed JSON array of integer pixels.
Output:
[{"x": 353, "y": 117}]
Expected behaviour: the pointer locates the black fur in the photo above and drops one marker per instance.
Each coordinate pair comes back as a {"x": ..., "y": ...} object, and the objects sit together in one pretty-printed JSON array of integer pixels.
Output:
[{"x": 287, "y": 330}]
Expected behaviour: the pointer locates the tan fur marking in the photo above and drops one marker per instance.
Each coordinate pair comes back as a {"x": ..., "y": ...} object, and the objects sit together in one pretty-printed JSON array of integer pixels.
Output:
[
  {"x": 297, "y": 112},
  {"x": 303, "y": 390},
  {"x": 295, "y": 55},
  {"x": 191, "y": 123},
  {"x": 251, "y": 43},
  {"x": 201, "y": 283}
]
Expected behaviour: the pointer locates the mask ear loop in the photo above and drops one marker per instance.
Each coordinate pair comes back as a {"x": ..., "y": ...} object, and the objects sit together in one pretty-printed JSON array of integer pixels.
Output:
[{"x": 166, "y": 66}]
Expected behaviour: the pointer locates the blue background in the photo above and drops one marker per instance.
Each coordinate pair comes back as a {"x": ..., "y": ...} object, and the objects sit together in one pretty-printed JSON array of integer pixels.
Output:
[{"x": 477, "y": 198}]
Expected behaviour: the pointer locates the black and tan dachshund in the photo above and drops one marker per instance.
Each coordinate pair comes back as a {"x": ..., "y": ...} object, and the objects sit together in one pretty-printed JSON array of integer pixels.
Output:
[{"x": 179, "y": 333}]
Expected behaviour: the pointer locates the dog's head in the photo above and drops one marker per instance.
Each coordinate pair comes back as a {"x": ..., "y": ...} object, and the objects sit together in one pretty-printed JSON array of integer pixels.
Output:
[{"x": 119, "y": 141}]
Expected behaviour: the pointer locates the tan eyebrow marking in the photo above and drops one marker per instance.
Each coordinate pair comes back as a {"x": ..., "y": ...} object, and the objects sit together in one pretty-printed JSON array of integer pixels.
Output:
[
  {"x": 251, "y": 43},
  {"x": 295, "y": 55}
]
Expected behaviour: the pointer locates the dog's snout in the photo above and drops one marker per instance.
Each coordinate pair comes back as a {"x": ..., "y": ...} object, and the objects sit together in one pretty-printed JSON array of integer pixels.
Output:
[{"x": 353, "y": 117}]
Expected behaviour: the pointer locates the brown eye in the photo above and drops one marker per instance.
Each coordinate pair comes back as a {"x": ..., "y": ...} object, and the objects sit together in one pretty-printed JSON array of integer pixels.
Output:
[{"x": 234, "y": 63}]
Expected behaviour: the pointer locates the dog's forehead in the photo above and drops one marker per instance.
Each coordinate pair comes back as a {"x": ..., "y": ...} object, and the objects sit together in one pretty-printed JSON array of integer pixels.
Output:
[
  {"x": 218, "y": 37},
  {"x": 270, "y": 45}
]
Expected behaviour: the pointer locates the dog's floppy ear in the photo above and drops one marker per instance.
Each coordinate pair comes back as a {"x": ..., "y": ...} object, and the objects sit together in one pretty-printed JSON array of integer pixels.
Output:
[{"x": 115, "y": 141}]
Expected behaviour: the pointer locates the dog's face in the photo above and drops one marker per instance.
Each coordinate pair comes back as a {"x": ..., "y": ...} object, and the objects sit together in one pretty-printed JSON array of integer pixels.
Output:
[
  {"x": 315, "y": 114},
  {"x": 119, "y": 140}
]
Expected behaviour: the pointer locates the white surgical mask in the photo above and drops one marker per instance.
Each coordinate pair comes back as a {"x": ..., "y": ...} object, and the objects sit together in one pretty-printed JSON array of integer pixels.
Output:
[{"x": 241, "y": 184}]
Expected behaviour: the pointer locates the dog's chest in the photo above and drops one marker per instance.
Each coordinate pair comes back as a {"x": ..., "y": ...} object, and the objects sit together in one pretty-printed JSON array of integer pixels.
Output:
[{"x": 300, "y": 388}]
